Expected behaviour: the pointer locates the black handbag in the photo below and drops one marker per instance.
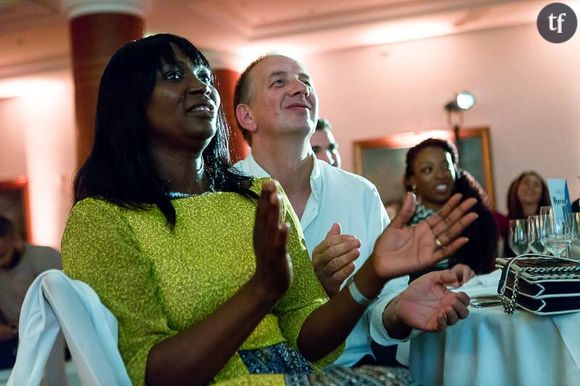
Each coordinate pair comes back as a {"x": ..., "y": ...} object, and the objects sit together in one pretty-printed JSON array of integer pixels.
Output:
[{"x": 543, "y": 285}]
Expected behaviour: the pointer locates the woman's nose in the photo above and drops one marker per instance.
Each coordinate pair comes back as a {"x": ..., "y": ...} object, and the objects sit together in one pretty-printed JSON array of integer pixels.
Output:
[
  {"x": 441, "y": 172},
  {"x": 197, "y": 86}
]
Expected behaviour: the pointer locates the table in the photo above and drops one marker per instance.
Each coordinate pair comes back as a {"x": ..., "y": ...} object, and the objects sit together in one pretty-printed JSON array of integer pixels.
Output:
[{"x": 494, "y": 348}]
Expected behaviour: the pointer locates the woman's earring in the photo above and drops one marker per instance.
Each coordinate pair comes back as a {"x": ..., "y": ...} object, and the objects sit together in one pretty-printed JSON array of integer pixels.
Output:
[{"x": 413, "y": 188}]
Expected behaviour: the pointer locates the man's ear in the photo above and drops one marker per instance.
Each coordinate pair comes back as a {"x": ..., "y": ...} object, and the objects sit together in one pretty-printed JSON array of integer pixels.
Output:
[{"x": 246, "y": 118}]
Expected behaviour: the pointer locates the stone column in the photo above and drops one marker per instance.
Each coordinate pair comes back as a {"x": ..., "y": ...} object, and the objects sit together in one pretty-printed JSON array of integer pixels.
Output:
[{"x": 97, "y": 29}]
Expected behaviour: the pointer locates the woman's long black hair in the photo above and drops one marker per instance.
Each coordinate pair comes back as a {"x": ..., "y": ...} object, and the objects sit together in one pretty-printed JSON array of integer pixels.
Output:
[
  {"x": 119, "y": 168},
  {"x": 481, "y": 250}
]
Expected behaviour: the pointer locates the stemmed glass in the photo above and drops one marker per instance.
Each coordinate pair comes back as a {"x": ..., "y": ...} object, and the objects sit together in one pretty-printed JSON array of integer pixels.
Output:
[
  {"x": 576, "y": 221},
  {"x": 518, "y": 236},
  {"x": 557, "y": 233},
  {"x": 535, "y": 235},
  {"x": 574, "y": 249}
]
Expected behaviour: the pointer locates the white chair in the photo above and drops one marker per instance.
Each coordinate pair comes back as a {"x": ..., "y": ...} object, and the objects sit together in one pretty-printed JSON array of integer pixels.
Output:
[{"x": 54, "y": 302}]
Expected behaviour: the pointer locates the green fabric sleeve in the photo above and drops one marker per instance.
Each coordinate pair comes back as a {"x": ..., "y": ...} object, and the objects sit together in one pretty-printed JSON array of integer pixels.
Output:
[{"x": 100, "y": 249}]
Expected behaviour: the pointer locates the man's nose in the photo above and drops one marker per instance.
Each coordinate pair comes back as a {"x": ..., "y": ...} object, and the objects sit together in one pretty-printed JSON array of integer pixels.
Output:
[{"x": 299, "y": 87}]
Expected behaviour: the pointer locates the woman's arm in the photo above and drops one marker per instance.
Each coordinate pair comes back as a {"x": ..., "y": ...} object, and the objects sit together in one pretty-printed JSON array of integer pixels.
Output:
[
  {"x": 100, "y": 248},
  {"x": 196, "y": 354}
]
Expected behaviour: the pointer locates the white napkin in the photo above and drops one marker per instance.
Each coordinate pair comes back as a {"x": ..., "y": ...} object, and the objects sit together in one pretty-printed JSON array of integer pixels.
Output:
[{"x": 481, "y": 285}]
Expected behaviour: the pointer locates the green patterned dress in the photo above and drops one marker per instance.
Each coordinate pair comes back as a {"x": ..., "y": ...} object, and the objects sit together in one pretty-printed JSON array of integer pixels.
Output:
[{"x": 159, "y": 281}]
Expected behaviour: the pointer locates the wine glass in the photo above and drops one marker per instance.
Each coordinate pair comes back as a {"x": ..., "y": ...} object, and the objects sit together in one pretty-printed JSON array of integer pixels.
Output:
[
  {"x": 518, "y": 236},
  {"x": 574, "y": 248},
  {"x": 545, "y": 213},
  {"x": 557, "y": 232},
  {"x": 576, "y": 221},
  {"x": 535, "y": 235}
]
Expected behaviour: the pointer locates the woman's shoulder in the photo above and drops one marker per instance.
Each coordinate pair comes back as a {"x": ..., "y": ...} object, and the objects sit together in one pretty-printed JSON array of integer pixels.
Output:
[
  {"x": 89, "y": 210},
  {"x": 258, "y": 183}
]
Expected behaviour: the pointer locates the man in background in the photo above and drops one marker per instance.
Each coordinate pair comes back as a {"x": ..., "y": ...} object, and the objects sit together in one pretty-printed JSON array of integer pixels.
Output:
[
  {"x": 323, "y": 143},
  {"x": 20, "y": 264}
]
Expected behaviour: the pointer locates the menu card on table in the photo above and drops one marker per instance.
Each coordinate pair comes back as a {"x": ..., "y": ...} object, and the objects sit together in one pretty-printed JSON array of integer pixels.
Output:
[{"x": 559, "y": 198}]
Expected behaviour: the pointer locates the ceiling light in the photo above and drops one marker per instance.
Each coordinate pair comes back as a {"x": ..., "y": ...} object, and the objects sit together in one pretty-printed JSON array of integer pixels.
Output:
[{"x": 463, "y": 100}]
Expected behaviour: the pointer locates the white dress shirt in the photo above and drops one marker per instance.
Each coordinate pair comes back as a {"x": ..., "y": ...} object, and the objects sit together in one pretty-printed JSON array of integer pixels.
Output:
[{"x": 353, "y": 202}]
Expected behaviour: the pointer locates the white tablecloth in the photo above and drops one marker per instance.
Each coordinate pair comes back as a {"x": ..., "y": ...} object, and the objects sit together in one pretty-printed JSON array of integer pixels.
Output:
[{"x": 493, "y": 348}]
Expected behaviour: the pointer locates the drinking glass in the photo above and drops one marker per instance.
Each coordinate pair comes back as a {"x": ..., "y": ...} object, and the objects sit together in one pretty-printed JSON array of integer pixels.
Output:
[
  {"x": 557, "y": 233},
  {"x": 535, "y": 235},
  {"x": 545, "y": 213},
  {"x": 576, "y": 221},
  {"x": 518, "y": 236},
  {"x": 574, "y": 248}
]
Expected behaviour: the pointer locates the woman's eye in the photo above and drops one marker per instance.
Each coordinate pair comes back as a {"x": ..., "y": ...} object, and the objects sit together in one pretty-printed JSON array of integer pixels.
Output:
[
  {"x": 172, "y": 75},
  {"x": 205, "y": 78}
]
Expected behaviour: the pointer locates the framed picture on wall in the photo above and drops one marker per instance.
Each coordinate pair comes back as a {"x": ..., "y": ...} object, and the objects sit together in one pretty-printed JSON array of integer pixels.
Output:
[
  {"x": 382, "y": 160},
  {"x": 14, "y": 204}
]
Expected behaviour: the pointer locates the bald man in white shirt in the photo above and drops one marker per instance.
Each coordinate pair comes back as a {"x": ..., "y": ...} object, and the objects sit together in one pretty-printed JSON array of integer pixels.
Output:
[{"x": 341, "y": 213}]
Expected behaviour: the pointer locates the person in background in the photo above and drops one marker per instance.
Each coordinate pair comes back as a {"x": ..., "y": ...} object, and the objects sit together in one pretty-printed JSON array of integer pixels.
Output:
[
  {"x": 341, "y": 213},
  {"x": 526, "y": 194},
  {"x": 20, "y": 264},
  {"x": 432, "y": 173},
  {"x": 204, "y": 268},
  {"x": 393, "y": 207},
  {"x": 323, "y": 143}
]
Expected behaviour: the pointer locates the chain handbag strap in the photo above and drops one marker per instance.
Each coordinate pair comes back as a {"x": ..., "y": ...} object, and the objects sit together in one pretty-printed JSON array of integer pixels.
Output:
[{"x": 509, "y": 304}]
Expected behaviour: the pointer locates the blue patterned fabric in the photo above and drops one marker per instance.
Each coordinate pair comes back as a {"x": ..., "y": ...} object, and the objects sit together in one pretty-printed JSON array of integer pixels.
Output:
[
  {"x": 359, "y": 376},
  {"x": 279, "y": 358},
  {"x": 421, "y": 213}
]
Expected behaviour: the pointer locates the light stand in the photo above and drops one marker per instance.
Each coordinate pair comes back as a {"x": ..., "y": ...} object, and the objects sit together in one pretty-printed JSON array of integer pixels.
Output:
[{"x": 463, "y": 101}]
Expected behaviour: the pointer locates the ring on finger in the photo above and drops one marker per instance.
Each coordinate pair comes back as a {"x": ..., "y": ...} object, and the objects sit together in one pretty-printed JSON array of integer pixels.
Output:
[{"x": 438, "y": 242}]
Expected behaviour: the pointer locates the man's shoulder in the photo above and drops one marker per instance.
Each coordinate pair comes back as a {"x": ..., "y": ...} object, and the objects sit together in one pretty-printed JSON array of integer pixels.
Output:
[
  {"x": 240, "y": 164},
  {"x": 41, "y": 250},
  {"x": 250, "y": 167},
  {"x": 42, "y": 258}
]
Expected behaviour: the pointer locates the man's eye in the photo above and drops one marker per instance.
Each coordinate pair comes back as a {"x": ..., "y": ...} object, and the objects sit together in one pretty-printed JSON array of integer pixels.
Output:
[{"x": 278, "y": 82}]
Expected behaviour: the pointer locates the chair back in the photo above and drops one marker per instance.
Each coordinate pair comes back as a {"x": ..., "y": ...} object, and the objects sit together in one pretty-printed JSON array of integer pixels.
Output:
[{"x": 56, "y": 302}]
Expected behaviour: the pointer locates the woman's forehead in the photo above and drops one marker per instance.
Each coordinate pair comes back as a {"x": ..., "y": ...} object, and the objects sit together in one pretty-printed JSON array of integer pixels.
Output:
[
  {"x": 433, "y": 151},
  {"x": 177, "y": 55}
]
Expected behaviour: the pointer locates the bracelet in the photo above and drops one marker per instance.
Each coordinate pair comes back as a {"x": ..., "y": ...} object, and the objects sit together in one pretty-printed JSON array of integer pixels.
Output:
[{"x": 357, "y": 296}]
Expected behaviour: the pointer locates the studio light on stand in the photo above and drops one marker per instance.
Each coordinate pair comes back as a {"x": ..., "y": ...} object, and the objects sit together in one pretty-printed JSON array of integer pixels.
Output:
[{"x": 463, "y": 101}]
